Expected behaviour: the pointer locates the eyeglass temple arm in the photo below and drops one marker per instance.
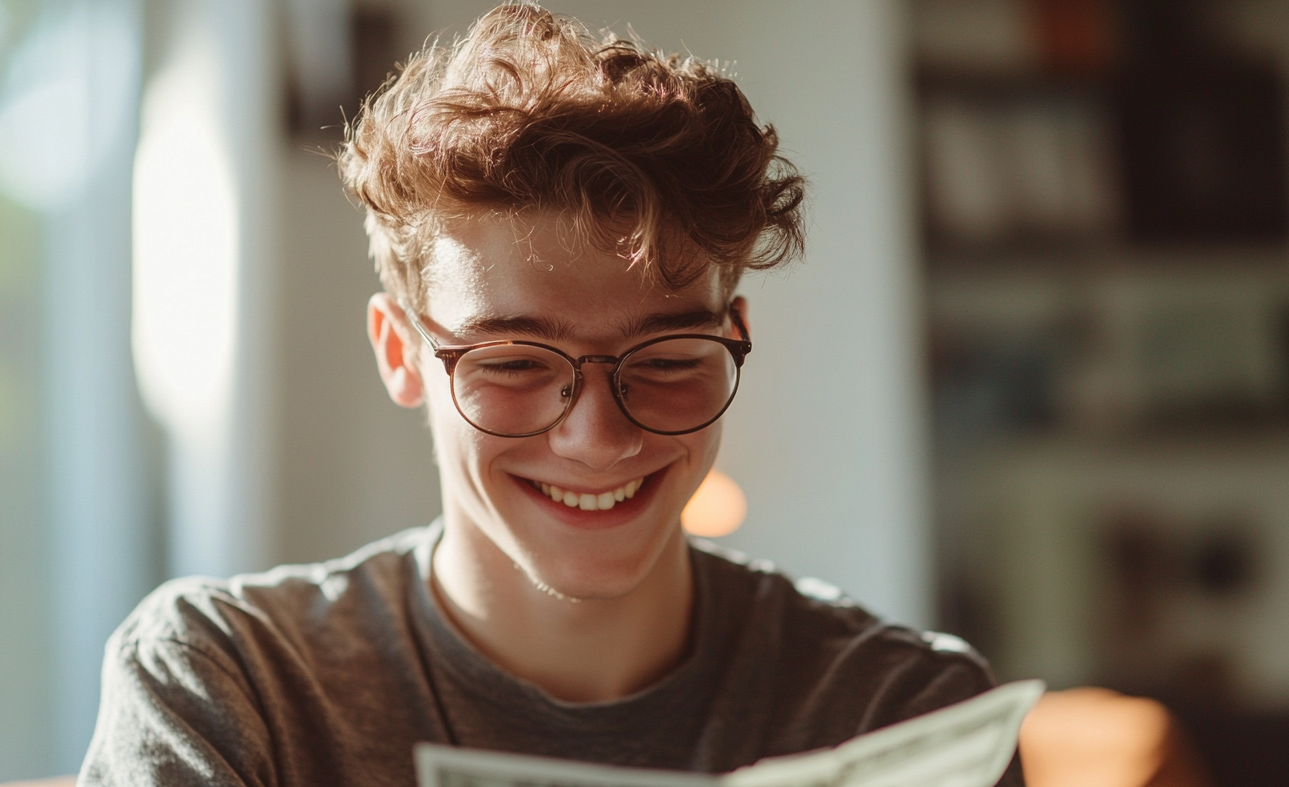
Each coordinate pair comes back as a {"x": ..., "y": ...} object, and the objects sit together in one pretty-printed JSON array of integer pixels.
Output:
[{"x": 415, "y": 320}]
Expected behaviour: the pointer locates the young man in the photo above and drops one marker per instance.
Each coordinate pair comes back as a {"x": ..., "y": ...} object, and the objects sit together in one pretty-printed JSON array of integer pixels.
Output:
[{"x": 559, "y": 225}]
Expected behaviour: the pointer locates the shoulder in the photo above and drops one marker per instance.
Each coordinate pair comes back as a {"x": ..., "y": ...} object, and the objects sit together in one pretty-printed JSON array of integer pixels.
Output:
[
  {"x": 220, "y": 681},
  {"x": 838, "y": 669},
  {"x": 290, "y": 603}
]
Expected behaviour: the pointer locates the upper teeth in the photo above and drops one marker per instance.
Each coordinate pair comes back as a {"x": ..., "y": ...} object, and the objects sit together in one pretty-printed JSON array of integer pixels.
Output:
[{"x": 589, "y": 502}]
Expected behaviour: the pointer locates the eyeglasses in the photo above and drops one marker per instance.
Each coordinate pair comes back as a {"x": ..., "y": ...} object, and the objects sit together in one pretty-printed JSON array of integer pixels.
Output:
[{"x": 670, "y": 385}]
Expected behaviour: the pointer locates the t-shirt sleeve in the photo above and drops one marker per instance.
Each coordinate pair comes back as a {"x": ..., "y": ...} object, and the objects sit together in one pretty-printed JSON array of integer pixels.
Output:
[{"x": 174, "y": 713}]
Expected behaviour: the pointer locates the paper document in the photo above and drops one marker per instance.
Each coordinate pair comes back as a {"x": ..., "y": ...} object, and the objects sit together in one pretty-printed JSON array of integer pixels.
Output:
[{"x": 964, "y": 745}]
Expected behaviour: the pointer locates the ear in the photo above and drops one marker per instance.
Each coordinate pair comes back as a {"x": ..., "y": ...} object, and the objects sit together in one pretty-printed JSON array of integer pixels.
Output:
[
  {"x": 386, "y": 328},
  {"x": 739, "y": 306}
]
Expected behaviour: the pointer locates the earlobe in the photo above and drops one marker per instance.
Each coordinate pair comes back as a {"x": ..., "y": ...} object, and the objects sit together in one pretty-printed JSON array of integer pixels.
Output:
[{"x": 393, "y": 354}]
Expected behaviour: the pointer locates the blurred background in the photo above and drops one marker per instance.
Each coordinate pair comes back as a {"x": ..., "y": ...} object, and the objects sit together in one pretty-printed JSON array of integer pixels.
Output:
[{"x": 1031, "y": 385}]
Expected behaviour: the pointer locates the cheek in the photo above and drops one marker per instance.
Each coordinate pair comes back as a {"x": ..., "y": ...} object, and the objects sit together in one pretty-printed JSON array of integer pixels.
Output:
[
  {"x": 440, "y": 412},
  {"x": 452, "y": 433},
  {"x": 700, "y": 450},
  {"x": 703, "y": 446},
  {"x": 455, "y": 445},
  {"x": 464, "y": 454}
]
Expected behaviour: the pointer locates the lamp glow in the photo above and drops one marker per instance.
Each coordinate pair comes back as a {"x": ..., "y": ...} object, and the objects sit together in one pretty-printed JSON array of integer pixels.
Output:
[{"x": 717, "y": 508}]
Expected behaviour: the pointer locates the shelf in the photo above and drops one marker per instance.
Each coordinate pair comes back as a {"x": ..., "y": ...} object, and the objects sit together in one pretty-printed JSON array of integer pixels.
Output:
[
  {"x": 1106, "y": 256},
  {"x": 1004, "y": 84}
]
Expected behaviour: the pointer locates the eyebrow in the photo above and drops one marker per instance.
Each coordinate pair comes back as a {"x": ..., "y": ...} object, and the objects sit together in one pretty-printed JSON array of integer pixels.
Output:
[
  {"x": 557, "y": 330},
  {"x": 539, "y": 327},
  {"x": 667, "y": 323}
]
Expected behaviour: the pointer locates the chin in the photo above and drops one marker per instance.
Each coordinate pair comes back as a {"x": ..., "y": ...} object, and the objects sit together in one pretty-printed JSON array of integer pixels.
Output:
[{"x": 599, "y": 569}]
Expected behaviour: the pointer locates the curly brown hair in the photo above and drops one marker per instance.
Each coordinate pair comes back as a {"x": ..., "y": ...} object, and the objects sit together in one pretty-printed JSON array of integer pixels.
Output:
[{"x": 656, "y": 158}]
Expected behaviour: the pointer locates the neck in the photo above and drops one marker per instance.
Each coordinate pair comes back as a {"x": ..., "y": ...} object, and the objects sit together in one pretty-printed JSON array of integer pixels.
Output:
[{"x": 576, "y": 650}]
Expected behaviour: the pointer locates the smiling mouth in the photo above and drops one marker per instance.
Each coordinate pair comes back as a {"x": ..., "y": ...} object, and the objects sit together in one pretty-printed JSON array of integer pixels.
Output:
[{"x": 586, "y": 501}]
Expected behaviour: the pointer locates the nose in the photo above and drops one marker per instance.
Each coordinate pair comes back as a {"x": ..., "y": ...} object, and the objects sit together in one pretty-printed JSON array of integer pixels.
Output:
[{"x": 596, "y": 432}]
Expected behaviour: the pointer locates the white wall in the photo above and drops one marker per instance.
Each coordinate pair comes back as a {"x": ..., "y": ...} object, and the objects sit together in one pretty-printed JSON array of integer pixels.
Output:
[
  {"x": 352, "y": 466},
  {"x": 827, "y": 439}
]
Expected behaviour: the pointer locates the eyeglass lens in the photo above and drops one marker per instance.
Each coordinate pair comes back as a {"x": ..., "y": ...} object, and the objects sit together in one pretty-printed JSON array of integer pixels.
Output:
[{"x": 674, "y": 385}]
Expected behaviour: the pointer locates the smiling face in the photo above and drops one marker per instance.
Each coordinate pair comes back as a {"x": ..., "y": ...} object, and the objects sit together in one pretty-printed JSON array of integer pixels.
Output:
[{"x": 620, "y": 489}]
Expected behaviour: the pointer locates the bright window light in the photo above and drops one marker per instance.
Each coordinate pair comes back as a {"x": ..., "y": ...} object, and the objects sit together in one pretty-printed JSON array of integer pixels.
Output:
[{"x": 185, "y": 249}]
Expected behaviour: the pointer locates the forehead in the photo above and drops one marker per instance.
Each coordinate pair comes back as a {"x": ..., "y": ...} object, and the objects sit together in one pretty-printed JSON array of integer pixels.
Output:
[{"x": 498, "y": 267}]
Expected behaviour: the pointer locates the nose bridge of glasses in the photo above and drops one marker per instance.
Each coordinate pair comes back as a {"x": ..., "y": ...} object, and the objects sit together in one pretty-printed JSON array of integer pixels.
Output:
[
  {"x": 609, "y": 359},
  {"x": 579, "y": 386},
  {"x": 580, "y": 382}
]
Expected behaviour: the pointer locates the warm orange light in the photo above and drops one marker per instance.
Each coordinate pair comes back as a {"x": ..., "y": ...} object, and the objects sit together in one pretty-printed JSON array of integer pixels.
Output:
[
  {"x": 1095, "y": 736},
  {"x": 716, "y": 509}
]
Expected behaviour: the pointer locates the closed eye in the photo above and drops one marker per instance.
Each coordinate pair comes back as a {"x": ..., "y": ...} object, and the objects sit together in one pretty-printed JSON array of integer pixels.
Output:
[
  {"x": 512, "y": 368},
  {"x": 671, "y": 364}
]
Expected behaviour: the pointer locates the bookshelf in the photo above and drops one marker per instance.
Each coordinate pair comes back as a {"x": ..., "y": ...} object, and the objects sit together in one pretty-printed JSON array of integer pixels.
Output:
[{"x": 1105, "y": 238}]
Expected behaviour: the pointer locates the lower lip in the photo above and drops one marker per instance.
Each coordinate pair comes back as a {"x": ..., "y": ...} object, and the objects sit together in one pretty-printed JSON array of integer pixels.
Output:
[{"x": 621, "y": 513}]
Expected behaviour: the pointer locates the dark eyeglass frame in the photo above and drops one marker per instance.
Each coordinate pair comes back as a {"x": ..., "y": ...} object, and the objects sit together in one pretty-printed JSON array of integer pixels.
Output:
[{"x": 451, "y": 353}]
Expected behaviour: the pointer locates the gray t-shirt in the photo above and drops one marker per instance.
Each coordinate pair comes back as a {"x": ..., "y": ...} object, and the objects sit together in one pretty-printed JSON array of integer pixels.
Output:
[{"x": 329, "y": 673}]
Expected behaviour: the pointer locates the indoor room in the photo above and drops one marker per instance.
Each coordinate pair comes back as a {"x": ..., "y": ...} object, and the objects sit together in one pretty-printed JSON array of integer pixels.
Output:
[{"x": 1026, "y": 388}]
